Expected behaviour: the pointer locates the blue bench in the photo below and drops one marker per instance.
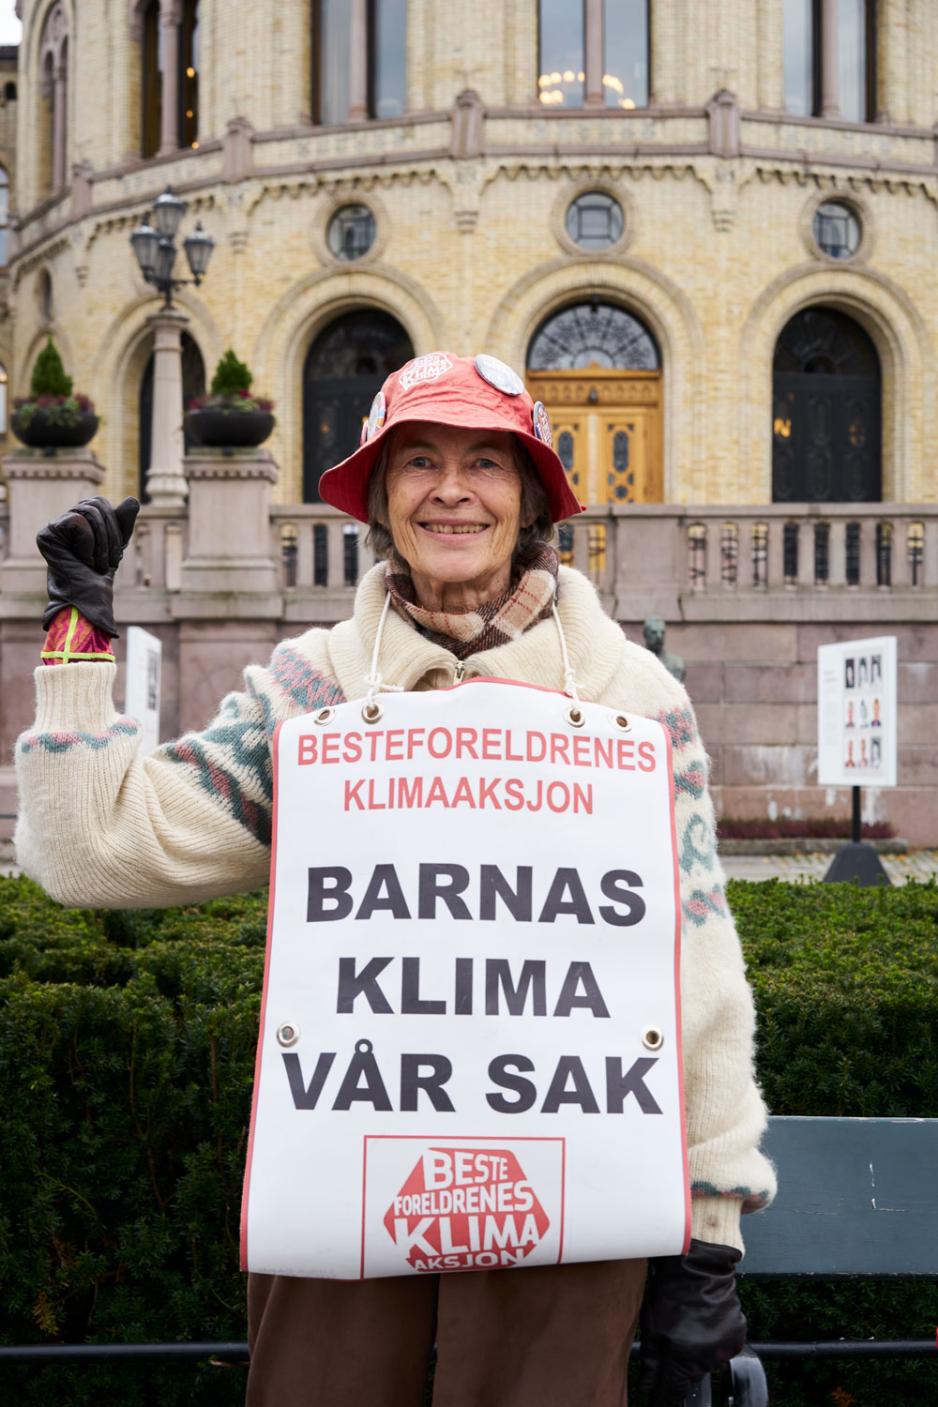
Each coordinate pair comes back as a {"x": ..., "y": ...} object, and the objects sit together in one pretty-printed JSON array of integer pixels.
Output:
[{"x": 857, "y": 1197}]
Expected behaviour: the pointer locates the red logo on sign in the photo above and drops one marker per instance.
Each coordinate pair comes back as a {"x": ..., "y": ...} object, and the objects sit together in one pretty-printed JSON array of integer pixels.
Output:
[{"x": 466, "y": 1209}]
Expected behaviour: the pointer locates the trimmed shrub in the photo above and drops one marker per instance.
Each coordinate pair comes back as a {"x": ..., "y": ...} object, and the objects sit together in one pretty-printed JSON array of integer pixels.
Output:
[{"x": 126, "y": 1060}]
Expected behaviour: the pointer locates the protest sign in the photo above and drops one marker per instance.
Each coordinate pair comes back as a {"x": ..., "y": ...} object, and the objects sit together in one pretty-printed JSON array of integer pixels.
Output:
[{"x": 469, "y": 1053}]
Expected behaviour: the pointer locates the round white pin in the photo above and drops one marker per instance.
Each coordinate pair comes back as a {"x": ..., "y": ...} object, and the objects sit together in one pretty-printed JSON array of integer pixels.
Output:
[
  {"x": 499, "y": 375},
  {"x": 542, "y": 424},
  {"x": 376, "y": 416}
]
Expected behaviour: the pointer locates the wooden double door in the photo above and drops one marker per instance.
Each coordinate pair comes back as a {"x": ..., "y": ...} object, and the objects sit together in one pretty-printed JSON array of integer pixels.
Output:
[{"x": 607, "y": 428}]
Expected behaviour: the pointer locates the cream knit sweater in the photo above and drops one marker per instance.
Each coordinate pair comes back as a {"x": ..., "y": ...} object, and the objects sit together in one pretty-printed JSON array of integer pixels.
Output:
[{"x": 100, "y": 826}]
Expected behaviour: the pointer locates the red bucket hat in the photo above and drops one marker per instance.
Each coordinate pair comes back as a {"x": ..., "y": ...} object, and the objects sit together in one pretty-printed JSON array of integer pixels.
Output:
[{"x": 476, "y": 393}]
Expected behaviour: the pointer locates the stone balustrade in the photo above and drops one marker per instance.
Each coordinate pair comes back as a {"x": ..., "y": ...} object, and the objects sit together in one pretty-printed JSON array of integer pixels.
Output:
[{"x": 748, "y": 593}]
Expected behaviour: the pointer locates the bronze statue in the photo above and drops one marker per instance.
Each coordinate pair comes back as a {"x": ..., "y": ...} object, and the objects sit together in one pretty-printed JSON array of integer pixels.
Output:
[{"x": 653, "y": 631}]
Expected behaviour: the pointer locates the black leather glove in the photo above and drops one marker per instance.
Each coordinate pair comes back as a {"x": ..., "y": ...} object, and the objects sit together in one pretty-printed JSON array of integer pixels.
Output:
[
  {"x": 83, "y": 549},
  {"x": 691, "y": 1320}
]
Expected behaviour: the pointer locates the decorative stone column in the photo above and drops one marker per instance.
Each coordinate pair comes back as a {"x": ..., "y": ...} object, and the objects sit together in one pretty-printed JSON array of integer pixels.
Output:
[
  {"x": 166, "y": 482},
  {"x": 170, "y": 20},
  {"x": 40, "y": 486},
  {"x": 830, "y": 96},
  {"x": 358, "y": 61},
  {"x": 593, "y": 55},
  {"x": 228, "y": 570}
]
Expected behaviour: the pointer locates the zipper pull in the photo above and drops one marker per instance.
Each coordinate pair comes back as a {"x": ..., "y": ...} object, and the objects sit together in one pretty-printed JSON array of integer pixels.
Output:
[{"x": 459, "y": 673}]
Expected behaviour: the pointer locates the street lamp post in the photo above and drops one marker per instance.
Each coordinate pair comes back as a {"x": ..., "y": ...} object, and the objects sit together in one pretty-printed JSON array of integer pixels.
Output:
[{"x": 155, "y": 250}]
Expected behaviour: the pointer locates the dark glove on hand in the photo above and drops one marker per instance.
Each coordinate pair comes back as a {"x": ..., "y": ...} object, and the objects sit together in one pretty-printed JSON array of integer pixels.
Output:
[
  {"x": 83, "y": 549},
  {"x": 691, "y": 1321}
]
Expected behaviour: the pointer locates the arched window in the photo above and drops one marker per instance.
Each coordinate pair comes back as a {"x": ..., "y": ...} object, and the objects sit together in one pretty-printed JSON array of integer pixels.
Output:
[
  {"x": 9, "y": 92},
  {"x": 830, "y": 58},
  {"x": 170, "y": 57},
  {"x": 344, "y": 368},
  {"x": 593, "y": 334},
  {"x": 826, "y": 436},
  {"x": 53, "y": 100},
  {"x": 594, "y": 54},
  {"x": 359, "y": 59},
  {"x": 597, "y": 369},
  {"x": 4, "y": 214},
  {"x": 193, "y": 384},
  {"x": 44, "y": 302}
]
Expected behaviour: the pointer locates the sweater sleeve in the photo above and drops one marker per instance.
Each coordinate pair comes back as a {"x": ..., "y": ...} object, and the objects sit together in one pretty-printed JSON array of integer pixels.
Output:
[
  {"x": 726, "y": 1115},
  {"x": 101, "y": 826}
]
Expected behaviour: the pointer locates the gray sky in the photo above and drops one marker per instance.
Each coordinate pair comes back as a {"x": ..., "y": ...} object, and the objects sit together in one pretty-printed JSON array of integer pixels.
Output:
[{"x": 10, "y": 27}]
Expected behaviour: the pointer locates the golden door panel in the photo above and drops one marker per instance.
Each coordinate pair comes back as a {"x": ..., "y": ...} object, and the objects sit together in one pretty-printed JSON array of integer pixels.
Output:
[{"x": 607, "y": 432}]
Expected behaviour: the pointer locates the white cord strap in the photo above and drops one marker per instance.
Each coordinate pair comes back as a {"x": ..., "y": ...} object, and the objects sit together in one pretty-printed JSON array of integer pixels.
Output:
[
  {"x": 569, "y": 678},
  {"x": 374, "y": 681}
]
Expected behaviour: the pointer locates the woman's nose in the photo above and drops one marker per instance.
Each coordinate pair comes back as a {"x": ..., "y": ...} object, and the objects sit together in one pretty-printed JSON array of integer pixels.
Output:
[{"x": 452, "y": 485}]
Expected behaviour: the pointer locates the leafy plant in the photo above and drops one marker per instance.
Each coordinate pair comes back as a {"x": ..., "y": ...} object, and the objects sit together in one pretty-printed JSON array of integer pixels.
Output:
[
  {"x": 49, "y": 378},
  {"x": 231, "y": 389},
  {"x": 50, "y": 391},
  {"x": 231, "y": 376}
]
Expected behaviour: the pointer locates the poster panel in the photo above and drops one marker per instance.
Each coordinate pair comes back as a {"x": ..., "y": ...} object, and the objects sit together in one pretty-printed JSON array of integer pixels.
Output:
[
  {"x": 857, "y": 714},
  {"x": 143, "y": 676},
  {"x": 469, "y": 1053}
]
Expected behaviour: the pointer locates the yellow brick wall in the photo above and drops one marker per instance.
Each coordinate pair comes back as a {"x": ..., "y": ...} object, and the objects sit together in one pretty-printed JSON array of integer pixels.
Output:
[{"x": 469, "y": 254}]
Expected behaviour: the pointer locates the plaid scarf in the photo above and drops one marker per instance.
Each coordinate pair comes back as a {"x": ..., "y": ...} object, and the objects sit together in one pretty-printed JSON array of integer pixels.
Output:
[{"x": 529, "y": 599}]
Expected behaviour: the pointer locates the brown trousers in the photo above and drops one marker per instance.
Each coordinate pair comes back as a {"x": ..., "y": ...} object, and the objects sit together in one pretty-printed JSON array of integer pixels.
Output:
[{"x": 555, "y": 1336}]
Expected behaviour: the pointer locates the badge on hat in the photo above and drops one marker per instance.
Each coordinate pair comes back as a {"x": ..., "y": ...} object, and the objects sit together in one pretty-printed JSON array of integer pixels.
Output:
[
  {"x": 542, "y": 424},
  {"x": 426, "y": 368},
  {"x": 499, "y": 375},
  {"x": 376, "y": 418}
]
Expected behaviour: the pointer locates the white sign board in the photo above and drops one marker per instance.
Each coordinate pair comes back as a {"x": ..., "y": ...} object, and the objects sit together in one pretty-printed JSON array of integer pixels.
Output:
[
  {"x": 857, "y": 719},
  {"x": 142, "y": 701},
  {"x": 469, "y": 1053}
]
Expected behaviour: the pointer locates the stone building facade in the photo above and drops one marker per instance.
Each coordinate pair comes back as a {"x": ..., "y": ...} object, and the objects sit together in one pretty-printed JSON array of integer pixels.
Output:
[{"x": 705, "y": 233}]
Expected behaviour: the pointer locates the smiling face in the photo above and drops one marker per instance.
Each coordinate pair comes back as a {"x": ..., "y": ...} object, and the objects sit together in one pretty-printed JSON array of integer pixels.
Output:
[{"x": 454, "y": 511}]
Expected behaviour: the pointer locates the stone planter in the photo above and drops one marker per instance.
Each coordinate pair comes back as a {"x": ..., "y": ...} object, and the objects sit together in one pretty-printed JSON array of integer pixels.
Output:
[
  {"x": 229, "y": 429},
  {"x": 42, "y": 432}
]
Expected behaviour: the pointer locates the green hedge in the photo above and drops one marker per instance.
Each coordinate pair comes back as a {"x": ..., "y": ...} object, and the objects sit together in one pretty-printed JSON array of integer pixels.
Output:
[{"x": 126, "y": 1059}]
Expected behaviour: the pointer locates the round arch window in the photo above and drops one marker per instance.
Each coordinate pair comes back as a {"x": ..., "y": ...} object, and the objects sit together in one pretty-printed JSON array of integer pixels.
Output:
[
  {"x": 837, "y": 230},
  {"x": 351, "y": 232},
  {"x": 593, "y": 334},
  {"x": 595, "y": 221}
]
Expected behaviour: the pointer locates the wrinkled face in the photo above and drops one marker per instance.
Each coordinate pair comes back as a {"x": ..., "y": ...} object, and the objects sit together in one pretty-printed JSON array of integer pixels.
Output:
[{"x": 454, "y": 504}]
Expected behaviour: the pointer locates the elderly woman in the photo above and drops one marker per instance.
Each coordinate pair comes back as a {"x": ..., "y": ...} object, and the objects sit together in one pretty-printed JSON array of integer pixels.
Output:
[{"x": 459, "y": 485}]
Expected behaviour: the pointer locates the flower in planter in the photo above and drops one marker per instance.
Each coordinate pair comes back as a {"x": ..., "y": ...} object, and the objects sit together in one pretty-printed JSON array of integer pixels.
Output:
[
  {"x": 231, "y": 389},
  {"x": 50, "y": 391}
]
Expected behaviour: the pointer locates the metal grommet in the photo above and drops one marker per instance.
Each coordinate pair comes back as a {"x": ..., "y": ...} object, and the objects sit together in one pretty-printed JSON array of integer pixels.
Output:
[
  {"x": 288, "y": 1034},
  {"x": 653, "y": 1039},
  {"x": 622, "y": 721},
  {"x": 372, "y": 712},
  {"x": 575, "y": 716},
  {"x": 323, "y": 715}
]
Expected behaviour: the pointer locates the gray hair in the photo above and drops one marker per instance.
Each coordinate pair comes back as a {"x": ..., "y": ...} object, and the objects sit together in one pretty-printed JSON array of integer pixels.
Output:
[{"x": 536, "y": 522}]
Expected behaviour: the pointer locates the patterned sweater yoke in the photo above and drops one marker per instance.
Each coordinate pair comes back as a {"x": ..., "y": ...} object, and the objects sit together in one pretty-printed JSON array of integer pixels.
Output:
[{"x": 101, "y": 826}]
